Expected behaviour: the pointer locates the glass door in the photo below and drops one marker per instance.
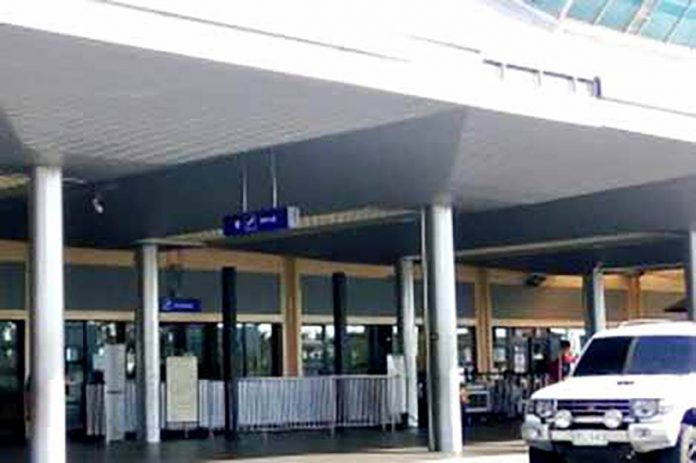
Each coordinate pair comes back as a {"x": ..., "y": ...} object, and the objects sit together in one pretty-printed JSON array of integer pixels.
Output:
[
  {"x": 74, "y": 374},
  {"x": 12, "y": 379}
]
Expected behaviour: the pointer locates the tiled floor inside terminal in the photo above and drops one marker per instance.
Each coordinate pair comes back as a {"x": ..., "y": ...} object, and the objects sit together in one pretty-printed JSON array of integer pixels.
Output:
[{"x": 488, "y": 445}]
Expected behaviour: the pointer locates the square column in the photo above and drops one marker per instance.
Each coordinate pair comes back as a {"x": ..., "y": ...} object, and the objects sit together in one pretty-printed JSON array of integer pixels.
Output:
[
  {"x": 232, "y": 355},
  {"x": 292, "y": 318},
  {"x": 408, "y": 336},
  {"x": 483, "y": 308},
  {"x": 633, "y": 302},
  {"x": 443, "y": 374},
  {"x": 340, "y": 295},
  {"x": 593, "y": 292},
  {"x": 690, "y": 275},
  {"x": 148, "y": 346},
  {"x": 47, "y": 378}
]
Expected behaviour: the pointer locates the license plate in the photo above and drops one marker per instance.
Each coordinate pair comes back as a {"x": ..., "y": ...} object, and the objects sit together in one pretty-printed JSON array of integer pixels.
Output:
[{"x": 590, "y": 439}]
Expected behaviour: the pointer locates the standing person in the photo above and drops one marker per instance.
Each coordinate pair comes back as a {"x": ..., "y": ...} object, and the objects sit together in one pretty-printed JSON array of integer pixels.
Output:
[
  {"x": 464, "y": 403},
  {"x": 561, "y": 366}
]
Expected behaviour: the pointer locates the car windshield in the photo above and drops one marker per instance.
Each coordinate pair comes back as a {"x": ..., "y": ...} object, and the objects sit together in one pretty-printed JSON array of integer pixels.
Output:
[{"x": 642, "y": 355}]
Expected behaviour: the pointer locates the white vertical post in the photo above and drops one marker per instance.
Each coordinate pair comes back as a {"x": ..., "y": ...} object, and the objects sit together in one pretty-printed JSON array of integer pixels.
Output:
[
  {"x": 593, "y": 287},
  {"x": 147, "y": 347},
  {"x": 408, "y": 337},
  {"x": 443, "y": 374},
  {"x": 47, "y": 318},
  {"x": 690, "y": 275}
]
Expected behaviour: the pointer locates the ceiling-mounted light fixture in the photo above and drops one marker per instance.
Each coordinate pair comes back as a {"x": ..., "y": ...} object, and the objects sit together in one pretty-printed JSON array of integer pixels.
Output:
[
  {"x": 535, "y": 279},
  {"x": 98, "y": 203}
]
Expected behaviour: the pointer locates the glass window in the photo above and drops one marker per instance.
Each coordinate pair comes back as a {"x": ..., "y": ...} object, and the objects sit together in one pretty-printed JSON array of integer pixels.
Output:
[
  {"x": 74, "y": 373},
  {"x": 663, "y": 355},
  {"x": 466, "y": 343},
  {"x": 619, "y": 13},
  {"x": 357, "y": 350},
  {"x": 258, "y": 349},
  {"x": 604, "y": 356},
  {"x": 587, "y": 10},
  {"x": 9, "y": 358},
  {"x": 12, "y": 378},
  {"x": 664, "y": 18},
  {"x": 553, "y": 7},
  {"x": 318, "y": 349},
  {"x": 314, "y": 352},
  {"x": 645, "y": 355},
  {"x": 255, "y": 349},
  {"x": 500, "y": 349},
  {"x": 685, "y": 32}
]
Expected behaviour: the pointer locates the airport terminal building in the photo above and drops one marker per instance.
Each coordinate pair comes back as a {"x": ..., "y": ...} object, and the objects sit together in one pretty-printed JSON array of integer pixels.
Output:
[{"x": 256, "y": 199}]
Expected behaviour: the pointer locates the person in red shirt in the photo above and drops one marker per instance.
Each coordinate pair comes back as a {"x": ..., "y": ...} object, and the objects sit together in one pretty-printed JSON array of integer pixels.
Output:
[{"x": 561, "y": 366}]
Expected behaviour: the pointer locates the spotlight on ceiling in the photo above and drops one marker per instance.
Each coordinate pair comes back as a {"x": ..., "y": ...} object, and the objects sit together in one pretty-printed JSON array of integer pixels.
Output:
[{"x": 98, "y": 203}]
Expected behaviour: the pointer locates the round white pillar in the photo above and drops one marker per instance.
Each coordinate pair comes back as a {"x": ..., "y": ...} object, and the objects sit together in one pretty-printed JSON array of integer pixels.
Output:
[
  {"x": 443, "y": 371},
  {"x": 147, "y": 346},
  {"x": 47, "y": 378}
]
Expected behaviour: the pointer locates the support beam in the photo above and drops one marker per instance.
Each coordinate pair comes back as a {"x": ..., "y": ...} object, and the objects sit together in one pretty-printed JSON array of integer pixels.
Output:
[
  {"x": 230, "y": 348},
  {"x": 47, "y": 318},
  {"x": 148, "y": 346},
  {"x": 408, "y": 336},
  {"x": 443, "y": 374},
  {"x": 484, "y": 322},
  {"x": 633, "y": 299},
  {"x": 690, "y": 274},
  {"x": 339, "y": 290},
  {"x": 596, "y": 312},
  {"x": 292, "y": 318}
]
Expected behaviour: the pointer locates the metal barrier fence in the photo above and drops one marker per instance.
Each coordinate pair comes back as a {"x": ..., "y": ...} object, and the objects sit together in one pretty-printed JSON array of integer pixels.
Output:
[
  {"x": 268, "y": 404},
  {"x": 502, "y": 394}
]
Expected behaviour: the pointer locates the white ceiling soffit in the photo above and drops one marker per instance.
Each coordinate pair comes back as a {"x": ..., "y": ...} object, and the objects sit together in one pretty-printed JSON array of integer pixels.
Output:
[
  {"x": 388, "y": 54},
  {"x": 97, "y": 103}
]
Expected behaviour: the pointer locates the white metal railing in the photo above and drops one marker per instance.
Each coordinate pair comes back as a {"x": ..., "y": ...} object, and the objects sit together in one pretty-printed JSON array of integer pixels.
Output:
[
  {"x": 322, "y": 402},
  {"x": 268, "y": 404}
]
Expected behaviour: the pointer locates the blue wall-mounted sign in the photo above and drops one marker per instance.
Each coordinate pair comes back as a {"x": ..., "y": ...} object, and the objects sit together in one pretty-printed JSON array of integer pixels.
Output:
[
  {"x": 267, "y": 220},
  {"x": 180, "y": 304}
]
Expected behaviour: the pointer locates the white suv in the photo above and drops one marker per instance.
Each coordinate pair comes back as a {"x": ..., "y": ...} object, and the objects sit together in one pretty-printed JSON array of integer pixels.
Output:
[{"x": 630, "y": 397}]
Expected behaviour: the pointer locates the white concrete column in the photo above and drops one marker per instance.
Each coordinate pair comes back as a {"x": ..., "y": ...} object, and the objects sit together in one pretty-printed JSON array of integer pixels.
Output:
[
  {"x": 408, "y": 337},
  {"x": 593, "y": 288},
  {"x": 443, "y": 375},
  {"x": 147, "y": 346},
  {"x": 47, "y": 318},
  {"x": 690, "y": 275}
]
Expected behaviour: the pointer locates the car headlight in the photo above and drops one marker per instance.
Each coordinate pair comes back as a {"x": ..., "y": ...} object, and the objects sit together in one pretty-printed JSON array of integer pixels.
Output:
[
  {"x": 644, "y": 409},
  {"x": 612, "y": 419},
  {"x": 545, "y": 409},
  {"x": 563, "y": 419}
]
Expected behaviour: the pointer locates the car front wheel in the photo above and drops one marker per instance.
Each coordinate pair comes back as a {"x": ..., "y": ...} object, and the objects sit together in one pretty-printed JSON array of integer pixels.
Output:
[{"x": 684, "y": 451}]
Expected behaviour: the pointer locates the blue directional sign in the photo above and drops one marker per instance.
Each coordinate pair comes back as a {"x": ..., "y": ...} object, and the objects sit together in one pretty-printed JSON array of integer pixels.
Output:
[
  {"x": 266, "y": 220},
  {"x": 180, "y": 304}
]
